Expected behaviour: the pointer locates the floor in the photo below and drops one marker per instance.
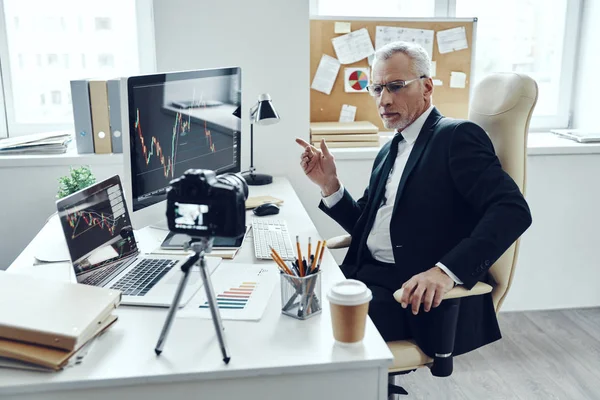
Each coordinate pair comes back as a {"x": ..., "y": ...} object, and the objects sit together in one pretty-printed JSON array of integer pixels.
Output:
[{"x": 543, "y": 355}]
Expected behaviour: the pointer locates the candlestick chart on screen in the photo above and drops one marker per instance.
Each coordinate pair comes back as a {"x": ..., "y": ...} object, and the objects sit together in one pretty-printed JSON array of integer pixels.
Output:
[
  {"x": 97, "y": 222},
  {"x": 169, "y": 143}
]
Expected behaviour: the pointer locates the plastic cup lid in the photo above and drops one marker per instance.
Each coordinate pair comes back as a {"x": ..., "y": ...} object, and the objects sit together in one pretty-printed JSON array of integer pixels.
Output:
[{"x": 349, "y": 293}]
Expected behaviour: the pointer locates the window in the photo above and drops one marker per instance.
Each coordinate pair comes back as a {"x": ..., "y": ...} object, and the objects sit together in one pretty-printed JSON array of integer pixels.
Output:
[
  {"x": 377, "y": 8},
  {"x": 527, "y": 36},
  {"x": 56, "y": 96},
  {"x": 106, "y": 60},
  {"x": 45, "y": 45},
  {"x": 102, "y": 23}
]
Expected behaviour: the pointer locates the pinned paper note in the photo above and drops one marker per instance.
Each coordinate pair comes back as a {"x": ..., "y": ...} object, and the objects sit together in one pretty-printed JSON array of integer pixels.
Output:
[
  {"x": 452, "y": 40},
  {"x": 370, "y": 59},
  {"x": 388, "y": 34},
  {"x": 458, "y": 80},
  {"x": 326, "y": 74},
  {"x": 438, "y": 82},
  {"x": 348, "y": 113},
  {"x": 433, "y": 69},
  {"x": 356, "y": 80},
  {"x": 342, "y": 27},
  {"x": 353, "y": 47}
]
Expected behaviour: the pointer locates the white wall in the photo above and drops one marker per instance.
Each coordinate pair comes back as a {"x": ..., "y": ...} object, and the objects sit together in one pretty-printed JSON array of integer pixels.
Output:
[
  {"x": 587, "y": 86},
  {"x": 269, "y": 40},
  {"x": 29, "y": 197}
]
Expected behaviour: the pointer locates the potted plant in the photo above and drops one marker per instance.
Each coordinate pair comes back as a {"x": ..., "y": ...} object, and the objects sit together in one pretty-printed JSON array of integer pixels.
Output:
[{"x": 79, "y": 178}]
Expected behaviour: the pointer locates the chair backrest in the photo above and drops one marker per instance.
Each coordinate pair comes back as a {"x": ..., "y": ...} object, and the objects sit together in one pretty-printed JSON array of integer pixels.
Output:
[{"x": 502, "y": 104}]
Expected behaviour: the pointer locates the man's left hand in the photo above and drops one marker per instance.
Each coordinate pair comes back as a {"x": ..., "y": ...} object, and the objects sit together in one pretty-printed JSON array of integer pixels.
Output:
[{"x": 428, "y": 287}]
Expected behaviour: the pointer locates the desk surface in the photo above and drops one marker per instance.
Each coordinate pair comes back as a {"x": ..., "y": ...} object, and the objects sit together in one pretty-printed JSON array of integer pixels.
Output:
[{"x": 276, "y": 345}]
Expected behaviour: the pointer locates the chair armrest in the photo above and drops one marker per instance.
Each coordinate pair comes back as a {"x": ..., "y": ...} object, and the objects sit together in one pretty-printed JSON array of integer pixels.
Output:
[
  {"x": 457, "y": 292},
  {"x": 339, "y": 242}
]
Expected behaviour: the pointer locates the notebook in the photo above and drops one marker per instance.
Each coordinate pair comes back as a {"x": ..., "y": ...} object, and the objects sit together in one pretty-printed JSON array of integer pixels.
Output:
[
  {"x": 56, "y": 314},
  {"x": 19, "y": 355}
]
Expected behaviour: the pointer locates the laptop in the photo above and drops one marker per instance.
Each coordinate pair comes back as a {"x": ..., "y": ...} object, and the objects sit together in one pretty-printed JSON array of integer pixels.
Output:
[
  {"x": 104, "y": 251},
  {"x": 578, "y": 135}
]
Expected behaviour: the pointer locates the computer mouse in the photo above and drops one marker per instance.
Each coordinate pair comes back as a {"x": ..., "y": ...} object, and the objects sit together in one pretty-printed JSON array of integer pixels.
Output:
[{"x": 266, "y": 209}]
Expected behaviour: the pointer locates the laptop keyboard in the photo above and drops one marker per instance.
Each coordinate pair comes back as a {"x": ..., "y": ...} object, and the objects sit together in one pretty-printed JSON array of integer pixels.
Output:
[
  {"x": 96, "y": 278},
  {"x": 144, "y": 276}
]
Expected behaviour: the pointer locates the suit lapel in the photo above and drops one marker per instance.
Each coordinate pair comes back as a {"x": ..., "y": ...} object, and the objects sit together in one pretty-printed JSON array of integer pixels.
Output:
[{"x": 417, "y": 151}]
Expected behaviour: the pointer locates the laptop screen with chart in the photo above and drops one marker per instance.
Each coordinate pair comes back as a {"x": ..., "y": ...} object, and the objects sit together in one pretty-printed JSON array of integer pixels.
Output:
[{"x": 97, "y": 227}]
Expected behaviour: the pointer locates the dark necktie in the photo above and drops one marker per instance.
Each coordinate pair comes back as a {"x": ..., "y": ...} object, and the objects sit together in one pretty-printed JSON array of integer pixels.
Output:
[
  {"x": 389, "y": 164},
  {"x": 379, "y": 191}
]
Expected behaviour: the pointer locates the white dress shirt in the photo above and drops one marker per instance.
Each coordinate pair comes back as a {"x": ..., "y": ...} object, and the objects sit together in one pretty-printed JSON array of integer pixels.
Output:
[{"x": 379, "y": 241}]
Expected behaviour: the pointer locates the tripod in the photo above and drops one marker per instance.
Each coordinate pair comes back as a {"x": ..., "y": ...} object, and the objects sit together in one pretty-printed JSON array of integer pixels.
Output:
[{"x": 200, "y": 246}]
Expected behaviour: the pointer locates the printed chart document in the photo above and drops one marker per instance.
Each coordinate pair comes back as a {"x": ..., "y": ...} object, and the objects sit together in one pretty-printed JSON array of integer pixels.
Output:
[
  {"x": 342, "y": 27},
  {"x": 243, "y": 292},
  {"x": 326, "y": 74},
  {"x": 452, "y": 40},
  {"x": 458, "y": 79},
  {"x": 348, "y": 113},
  {"x": 353, "y": 47},
  {"x": 389, "y": 34}
]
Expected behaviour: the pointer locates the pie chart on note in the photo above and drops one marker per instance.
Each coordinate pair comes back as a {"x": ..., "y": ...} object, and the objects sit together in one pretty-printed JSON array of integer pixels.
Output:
[{"x": 357, "y": 79}]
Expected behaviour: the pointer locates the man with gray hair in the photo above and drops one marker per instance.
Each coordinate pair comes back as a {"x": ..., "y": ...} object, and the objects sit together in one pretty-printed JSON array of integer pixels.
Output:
[{"x": 438, "y": 210}]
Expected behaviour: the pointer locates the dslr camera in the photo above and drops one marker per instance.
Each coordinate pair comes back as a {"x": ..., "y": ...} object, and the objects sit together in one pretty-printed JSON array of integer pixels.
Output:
[{"x": 201, "y": 204}]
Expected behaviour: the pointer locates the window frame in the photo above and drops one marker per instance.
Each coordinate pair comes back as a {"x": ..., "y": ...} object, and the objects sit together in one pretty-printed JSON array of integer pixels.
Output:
[
  {"x": 562, "y": 119},
  {"x": 8, "y": 125}
]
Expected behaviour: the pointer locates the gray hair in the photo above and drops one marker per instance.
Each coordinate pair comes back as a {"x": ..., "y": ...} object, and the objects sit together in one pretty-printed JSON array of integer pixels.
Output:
[{"x": 421, "y": 63}]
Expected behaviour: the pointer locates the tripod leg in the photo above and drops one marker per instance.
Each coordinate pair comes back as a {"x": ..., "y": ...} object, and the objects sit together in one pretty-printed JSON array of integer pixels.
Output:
[
  {"x": 173, "y": 309},
  {"x": 216, "y": 316}
]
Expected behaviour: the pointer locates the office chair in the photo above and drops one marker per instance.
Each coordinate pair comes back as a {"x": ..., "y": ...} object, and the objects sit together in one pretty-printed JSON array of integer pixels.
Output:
[{"x": 502, "y": 105}]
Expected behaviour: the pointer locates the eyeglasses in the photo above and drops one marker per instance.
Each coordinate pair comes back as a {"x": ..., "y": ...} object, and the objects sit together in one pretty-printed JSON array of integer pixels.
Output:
[{"x": 392, "y": 87}]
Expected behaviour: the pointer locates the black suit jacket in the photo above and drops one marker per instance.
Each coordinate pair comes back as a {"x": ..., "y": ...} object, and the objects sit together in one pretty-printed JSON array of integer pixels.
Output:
[{"x": 454, "y": 204}]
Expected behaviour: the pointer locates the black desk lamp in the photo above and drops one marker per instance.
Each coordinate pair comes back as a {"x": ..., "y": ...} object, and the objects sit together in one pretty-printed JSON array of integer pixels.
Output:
[{"x": 262, "y": 113}]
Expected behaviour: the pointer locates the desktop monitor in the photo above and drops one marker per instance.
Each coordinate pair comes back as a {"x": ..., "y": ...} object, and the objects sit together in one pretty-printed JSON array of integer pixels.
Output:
[{"x": 174, "y": 122}]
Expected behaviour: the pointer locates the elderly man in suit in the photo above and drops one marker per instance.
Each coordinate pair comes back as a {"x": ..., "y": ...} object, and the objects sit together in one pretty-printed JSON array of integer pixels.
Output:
[{"x": 439, "y": 209}]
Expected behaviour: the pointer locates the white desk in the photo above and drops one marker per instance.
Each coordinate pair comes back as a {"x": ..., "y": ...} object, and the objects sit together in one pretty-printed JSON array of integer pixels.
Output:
[{"x": 276, "y": 358}]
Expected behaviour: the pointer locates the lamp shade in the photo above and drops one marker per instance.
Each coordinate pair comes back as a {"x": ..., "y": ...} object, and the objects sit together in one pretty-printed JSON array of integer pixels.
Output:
[{"x": 265, "y": 113}]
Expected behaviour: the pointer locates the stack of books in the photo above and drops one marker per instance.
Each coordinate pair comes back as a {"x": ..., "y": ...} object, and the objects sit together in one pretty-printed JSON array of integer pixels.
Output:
[
  {"x": 345, "y": 134},
  {"x": 46, "y": 325},
  {"x": 39, "y": 143}
]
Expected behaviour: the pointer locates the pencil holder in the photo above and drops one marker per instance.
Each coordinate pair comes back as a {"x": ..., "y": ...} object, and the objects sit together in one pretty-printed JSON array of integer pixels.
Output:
[{"x": 301, "y": 296}]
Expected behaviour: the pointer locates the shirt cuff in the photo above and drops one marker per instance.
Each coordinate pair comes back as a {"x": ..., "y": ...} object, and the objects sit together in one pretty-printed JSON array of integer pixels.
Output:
[
  {"x": 449, "y": 273},
  {"x": 334, "y": 198}
]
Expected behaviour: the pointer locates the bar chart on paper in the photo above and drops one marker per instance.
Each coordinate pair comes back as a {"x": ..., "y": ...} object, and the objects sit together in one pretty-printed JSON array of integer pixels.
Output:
[
  {"x": 235, "y": 298},
  {"x": 242, "y": 292}
]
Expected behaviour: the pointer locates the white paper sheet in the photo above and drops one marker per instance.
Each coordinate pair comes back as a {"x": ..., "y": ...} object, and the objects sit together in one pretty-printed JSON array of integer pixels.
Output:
[
  {"x": 342, "y": 27},
  {"x": 458, "y": 80},
  {"x": 326, "y": 74},
  {"x": 353, "y": 47},
  {"x": 438, "y": 82},
  {"x": 452, "y": 40},
  {"x": 433, "y": 69},
  {"x": 389, "y": 34},
  {"x": 243, "y": 292},
  {"x": 348, "y": 113},
  {"x": 356, "y": 80}
]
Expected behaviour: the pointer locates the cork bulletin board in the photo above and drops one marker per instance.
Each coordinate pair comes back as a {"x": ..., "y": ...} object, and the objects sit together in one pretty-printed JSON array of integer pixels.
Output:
[{"x": 452, "y": 102}]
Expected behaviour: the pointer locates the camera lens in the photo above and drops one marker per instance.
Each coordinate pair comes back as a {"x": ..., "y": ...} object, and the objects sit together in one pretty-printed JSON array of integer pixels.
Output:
[{"x": 235, "y": 180}]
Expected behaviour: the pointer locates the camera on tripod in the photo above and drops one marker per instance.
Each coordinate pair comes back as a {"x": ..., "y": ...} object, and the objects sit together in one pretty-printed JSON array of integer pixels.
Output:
[{"x": 201, "y": 204}]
